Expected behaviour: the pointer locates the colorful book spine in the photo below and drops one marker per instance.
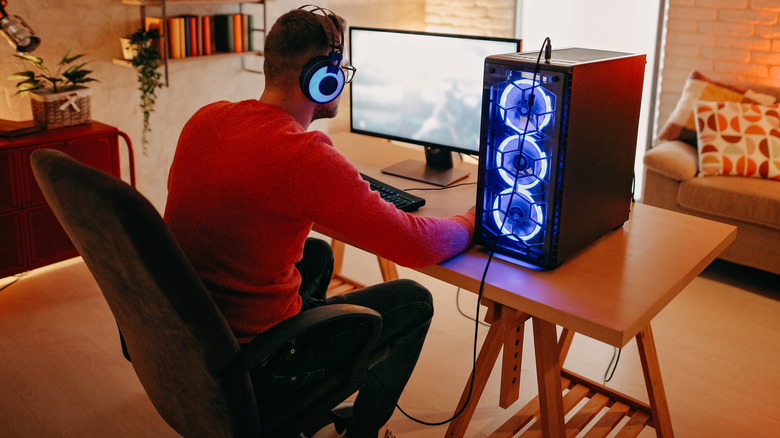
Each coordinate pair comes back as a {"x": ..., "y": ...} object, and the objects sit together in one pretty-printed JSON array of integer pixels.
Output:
[
  {"x": 250, "y": 45},
  {"x": 199, "y": 35},
  {"x": 193, "y": 34},
  {"x": 213, "y": 35},
  {"x": 238, "y": 45},
  {"x": 174, "y": 46},
  {"x": 245, "y": 31},
  {"x": 182, "y": 41},
  {"x": 187, "y": 39}
]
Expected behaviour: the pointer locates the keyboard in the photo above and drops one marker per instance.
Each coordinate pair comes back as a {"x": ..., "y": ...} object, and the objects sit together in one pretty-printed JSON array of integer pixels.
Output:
[{"x": 402, "y": 200}]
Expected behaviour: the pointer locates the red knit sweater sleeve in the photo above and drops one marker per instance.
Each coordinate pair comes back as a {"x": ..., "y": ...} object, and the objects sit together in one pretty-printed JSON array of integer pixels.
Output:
[{"x": 328, "y": 189}]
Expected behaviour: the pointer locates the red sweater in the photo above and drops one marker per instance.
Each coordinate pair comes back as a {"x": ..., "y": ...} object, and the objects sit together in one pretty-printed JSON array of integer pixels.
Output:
[{"x": 246, "y": 185}]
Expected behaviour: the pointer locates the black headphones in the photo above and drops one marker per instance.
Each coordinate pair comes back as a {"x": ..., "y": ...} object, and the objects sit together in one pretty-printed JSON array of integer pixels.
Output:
[{"x": 322, "y": 79}]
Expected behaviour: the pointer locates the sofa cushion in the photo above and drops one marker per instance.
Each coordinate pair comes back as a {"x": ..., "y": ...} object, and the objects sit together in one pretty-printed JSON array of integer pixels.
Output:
[
  {"x": 673, "y": 159},
  {"x": 738, "y": 139},
  {"x": 753, "y": 200},
  {"x": 681, "y": 124}
]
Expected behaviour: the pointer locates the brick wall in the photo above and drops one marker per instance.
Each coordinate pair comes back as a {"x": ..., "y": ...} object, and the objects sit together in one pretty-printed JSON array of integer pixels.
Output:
[
  {"x": 494, "y": 18},
  {"x": 733, "y": 40}
]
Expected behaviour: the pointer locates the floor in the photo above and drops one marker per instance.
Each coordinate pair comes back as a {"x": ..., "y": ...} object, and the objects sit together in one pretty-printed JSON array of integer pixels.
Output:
[{"x": 62, "y": 373}]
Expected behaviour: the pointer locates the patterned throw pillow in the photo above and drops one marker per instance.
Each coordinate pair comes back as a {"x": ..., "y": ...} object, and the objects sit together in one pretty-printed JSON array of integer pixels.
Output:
[
  {"x": 738, "y": 139},
  {"x": 681, "y": 124}
]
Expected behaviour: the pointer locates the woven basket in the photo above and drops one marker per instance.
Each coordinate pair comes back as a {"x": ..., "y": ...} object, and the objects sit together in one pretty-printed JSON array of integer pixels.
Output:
[{"x": 67, "y": 108}]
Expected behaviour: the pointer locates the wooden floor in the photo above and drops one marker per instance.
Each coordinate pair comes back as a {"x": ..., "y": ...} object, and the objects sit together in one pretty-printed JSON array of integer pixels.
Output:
[{"x": 62, "y": 373}]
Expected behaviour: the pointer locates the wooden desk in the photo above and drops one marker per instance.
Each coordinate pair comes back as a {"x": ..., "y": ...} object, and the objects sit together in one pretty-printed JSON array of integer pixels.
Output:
[
  {"x": 610, "y": 292},
  {"x": 371, "y": 155}
]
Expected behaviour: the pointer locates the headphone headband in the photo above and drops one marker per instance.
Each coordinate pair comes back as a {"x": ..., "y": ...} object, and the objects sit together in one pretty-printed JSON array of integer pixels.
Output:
[{"x": 336, "y": 31}]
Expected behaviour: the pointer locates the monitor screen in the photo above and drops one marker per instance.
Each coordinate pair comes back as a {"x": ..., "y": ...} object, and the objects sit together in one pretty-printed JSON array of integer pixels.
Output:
[{"x": 418, "y": 87}]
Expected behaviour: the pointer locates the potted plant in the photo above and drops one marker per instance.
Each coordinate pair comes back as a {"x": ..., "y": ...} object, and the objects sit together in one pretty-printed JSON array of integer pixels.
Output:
[
  {"x": 58, "y": 99},
  {"x": 144, "y": 45}
]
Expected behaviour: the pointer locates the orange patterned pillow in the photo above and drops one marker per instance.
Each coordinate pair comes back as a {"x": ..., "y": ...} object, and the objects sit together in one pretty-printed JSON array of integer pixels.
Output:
[
  {"x": 681, "y": 124},
  {"x": 738, "y": 139}
]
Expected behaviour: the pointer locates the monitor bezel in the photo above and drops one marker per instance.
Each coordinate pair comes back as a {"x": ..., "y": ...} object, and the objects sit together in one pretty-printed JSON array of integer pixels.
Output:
[{"x": 427, "y": 144}]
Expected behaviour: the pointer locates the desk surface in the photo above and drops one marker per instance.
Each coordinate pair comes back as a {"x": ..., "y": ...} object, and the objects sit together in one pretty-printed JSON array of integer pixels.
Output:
[{"x": 609, "y": 291}]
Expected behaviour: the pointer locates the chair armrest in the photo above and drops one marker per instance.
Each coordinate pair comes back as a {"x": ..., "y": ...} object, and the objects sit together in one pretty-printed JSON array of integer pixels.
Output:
[
  {"x": 674, "y": 159},
  {"x": 266, "y": 344}
]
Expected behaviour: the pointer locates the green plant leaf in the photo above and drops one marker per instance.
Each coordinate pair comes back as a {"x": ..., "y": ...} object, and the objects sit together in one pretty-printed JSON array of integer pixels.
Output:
[
  {"x": 52, "y": 79},
  {"x": 22, "y": 75},
  {"x": 65, "y": 59},
  {"x": 77, "y": 75},
  {"x": 24, "y": 88},
  {"x": 31, "y": 84},
  {"x": 38, "y": 62}
]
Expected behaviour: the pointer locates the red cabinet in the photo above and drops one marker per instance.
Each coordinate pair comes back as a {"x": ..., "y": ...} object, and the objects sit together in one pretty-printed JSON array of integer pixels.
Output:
[{"x": 30, "y": 235}]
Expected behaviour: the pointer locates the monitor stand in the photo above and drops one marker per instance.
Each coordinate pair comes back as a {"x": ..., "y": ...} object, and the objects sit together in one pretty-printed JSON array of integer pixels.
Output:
[{"x": 437, "y": 168}]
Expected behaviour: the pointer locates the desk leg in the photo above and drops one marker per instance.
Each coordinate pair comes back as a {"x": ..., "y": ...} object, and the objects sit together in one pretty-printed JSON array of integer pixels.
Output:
[
  {"x": 655, "y": 387},
  {"x": 548, "y": 375},
  {"x": 338, "y": 255},
  {"x": 488, "y": 354},
  {"x": 388, "y": 269}
]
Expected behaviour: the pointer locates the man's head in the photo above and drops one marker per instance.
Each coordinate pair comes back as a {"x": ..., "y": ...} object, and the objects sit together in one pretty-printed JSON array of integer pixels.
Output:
[{"x": 296, "y": 38}]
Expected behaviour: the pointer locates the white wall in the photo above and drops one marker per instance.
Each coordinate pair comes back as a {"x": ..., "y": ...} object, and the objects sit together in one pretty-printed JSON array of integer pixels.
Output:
[{"x": 618, "y": 25}]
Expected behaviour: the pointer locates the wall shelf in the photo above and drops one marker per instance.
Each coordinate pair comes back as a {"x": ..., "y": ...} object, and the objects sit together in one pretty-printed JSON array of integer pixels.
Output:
[{"x": 166, "y": 56}]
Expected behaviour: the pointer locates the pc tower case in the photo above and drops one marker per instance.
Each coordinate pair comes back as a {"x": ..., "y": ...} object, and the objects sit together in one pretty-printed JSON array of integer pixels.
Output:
[{"x": 557, "y": 150}]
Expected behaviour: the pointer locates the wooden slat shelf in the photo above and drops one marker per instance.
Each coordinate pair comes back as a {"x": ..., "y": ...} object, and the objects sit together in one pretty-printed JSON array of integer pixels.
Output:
[
  {"x": 128, "y": 63},
  {"x": 608, "y": 410}
]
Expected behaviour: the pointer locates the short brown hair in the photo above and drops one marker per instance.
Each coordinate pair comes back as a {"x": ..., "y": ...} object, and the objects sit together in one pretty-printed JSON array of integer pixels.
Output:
[{"x": 294, "y": 39}]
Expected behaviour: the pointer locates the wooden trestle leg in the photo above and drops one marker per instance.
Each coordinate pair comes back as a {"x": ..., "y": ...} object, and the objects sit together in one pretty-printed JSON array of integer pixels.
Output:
[{"x": 503, "y": 322}]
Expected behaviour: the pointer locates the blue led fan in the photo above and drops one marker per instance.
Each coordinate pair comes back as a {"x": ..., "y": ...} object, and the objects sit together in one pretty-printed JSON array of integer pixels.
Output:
[
  {"x": 517, "y": 215},
  {"x": 515, "y": 110},
  {"x": 528, "y": 166}
]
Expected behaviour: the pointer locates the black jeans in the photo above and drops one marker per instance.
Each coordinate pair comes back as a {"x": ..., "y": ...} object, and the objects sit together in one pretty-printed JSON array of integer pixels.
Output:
[{"x": 406, "y": 308}]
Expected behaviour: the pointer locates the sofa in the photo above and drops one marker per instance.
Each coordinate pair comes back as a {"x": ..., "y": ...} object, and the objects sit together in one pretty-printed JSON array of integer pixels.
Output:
[{"x": 718, "y": 157}]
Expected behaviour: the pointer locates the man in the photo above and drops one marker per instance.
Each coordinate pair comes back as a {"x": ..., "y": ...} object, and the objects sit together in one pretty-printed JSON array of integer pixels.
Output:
[{"x": 248, "y": 182}]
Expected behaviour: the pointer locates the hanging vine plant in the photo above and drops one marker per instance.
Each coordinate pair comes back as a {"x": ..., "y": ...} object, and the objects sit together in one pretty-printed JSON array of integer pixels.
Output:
[{"x": 146, "y": 61}]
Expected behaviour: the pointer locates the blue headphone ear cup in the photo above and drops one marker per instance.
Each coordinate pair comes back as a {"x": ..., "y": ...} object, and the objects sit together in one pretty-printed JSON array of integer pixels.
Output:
[{"x": 320, "y": 84}]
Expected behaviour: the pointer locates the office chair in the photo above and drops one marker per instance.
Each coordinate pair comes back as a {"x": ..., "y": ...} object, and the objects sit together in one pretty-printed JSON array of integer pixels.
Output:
[{"x": 200, "y": 380}]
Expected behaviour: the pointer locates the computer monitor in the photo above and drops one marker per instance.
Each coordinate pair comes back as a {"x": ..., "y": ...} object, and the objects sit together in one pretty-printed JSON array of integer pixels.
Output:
[{"x": 421, "y": 88}]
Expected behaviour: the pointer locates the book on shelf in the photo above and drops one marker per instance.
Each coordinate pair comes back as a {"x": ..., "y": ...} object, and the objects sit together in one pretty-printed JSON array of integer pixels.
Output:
[
  {"x": 199, "y": 35},
  {"x": 182, "y": 37},
  {"x": 238, "y": 41},
  {"x": 250, "y": 46},
  {"x": 174, "y": 37},
  {"x": 245, "y": 32},
  {"x": 212, "y": 34},
  {"x": 206, "y": 34},
  {"x": 193, "y": 29},
  {"x": 187, "y": 47}
]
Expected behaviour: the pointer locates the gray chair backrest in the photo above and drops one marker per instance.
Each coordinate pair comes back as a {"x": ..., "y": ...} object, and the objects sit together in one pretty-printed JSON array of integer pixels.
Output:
[{"x": 180, "y": 345}]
